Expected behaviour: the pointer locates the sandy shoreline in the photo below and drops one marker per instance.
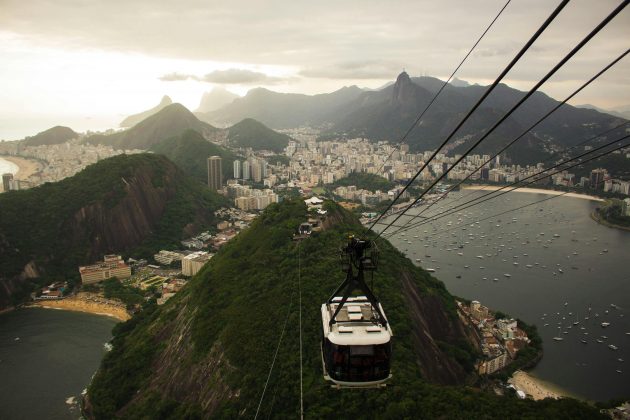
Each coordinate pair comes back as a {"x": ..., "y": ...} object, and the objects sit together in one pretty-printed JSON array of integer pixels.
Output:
[
  {"x": 535, "y": 387},
  {"x": 89, "y": 303},
  {"x": 533, "y": 191},
  {"x": 26, "y": 167}
]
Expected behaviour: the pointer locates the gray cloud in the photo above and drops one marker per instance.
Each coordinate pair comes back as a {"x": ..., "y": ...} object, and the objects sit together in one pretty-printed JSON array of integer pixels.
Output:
[
  {"x": 358, "y": 70},
  {"x": 240, "y": 76},
  {"x": 227, "y": 77},
  {"x": 176, "y": 77},
  {"x": 329, "y": 39}
]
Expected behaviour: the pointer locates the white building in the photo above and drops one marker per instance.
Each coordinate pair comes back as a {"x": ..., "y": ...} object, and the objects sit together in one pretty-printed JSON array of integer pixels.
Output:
[{"x": 192, "y": 263}]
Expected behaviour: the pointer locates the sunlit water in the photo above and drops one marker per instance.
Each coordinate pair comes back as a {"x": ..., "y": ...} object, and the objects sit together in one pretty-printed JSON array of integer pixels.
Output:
[
  {"x": 47, "y": 358},
  {"x": 542, "y": 240}
]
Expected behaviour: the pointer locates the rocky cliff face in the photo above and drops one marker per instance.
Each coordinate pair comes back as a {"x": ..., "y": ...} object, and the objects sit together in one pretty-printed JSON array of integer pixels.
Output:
[
  {"x": 129, "y": 222},
  {"x": 111, "y": 207}
]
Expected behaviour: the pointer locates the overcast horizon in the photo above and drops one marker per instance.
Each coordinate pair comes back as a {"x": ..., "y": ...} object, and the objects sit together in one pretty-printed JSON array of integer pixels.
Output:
[{"x": 89, "y": 64}]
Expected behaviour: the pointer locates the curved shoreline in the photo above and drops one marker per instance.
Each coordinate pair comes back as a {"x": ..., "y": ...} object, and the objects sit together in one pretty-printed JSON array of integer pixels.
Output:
[
  {"x": 534, "y": 191},
  {"x": 26, "y": 167},
  {"x": 88, "y": 303},
  {"x": 536, "y": 387}
]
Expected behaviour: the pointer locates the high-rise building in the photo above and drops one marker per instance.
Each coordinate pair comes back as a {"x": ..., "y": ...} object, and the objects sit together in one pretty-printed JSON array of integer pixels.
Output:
[
  {"x": 6, "y": 181},
  {"x": 246, "y": 170},
  {"x": 215, "y": 175},
  {"x": 238, "y": 170},
  {"x": 485, "y": 173},
  {"x": 597, "y": 178},
  {"x": 257, "y": 171}
]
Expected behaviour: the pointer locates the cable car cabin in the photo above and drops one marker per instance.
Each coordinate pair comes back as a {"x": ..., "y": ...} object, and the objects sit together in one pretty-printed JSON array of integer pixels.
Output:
[{"x": 356, "y": 349}]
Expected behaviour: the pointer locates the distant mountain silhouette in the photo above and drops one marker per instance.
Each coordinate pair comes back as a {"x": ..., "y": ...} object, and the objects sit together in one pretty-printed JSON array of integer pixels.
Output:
[
  {"x": 283, "y": 110},
  {"x": 54, "y": 135},
  {"x": 621, "y": 113},
  {"x": 170, "y": 121},
  {"x": 388, "y": 113},
  {"x": 132, "y": 120},
  {"x": 215, "y": 99}
]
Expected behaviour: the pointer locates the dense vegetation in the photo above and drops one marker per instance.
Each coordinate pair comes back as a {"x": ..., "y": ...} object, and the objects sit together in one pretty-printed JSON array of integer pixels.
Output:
[
  {"x": 611, "y": 212},
  {"x": 190, "y": 151},
  {"x": 236, "y": 308},
  {"x": 114, "y": 289},
  {"x": 617, "y": 164},
  {"x": 40, "y": 224},
  {"x": 364, "y": 181},
  {"x": 251, "y": 133}
]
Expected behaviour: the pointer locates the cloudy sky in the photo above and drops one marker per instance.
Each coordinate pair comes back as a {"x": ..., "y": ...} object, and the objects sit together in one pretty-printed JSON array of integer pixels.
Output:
[{"x": 88, "y": 63}]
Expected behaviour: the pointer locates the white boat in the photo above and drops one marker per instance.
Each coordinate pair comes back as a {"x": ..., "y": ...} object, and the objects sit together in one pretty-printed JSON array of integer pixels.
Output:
[
  {"x": 430, "y": 270},
  {"x": 507, "y": 275},
  {"x": 612, "y": 347},
  {"x": 605, "y": 324}
]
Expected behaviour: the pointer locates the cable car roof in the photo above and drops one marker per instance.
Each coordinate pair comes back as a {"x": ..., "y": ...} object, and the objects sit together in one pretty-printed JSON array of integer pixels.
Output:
[{"x": 354, "y": 326}]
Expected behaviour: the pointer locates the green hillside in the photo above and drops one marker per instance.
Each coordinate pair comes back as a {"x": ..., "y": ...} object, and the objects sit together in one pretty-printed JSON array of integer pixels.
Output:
[
  {"x": 207, "y": 352},
  {"x": 251, "y": 133},
  {"x": 170, "y": 121},
  {"x": 54, "y": 135},
  {"x": 125, "y": 204},
  {"x": 190, "y": 151},
  {"x": 365, "y": 181}
]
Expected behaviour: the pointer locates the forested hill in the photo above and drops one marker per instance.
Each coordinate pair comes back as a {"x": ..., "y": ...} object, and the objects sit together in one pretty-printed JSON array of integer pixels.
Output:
[
  {"x": 365, "y": 181},
  {"x": 206, "y": 353},
  {"x": 190, "y": 151},
  {"x": 54, "y": 135},
  {"x": 251, "y": 133},
  {"x": 118, "y": 205}
]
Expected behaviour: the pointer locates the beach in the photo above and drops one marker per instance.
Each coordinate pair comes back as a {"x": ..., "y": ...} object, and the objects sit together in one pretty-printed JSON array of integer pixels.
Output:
[
  {"x": 26, "y": 167},
  {"x": 535, "y": 387},
  {"x": 88, "y": 302},
  {"x": 533, "y": 191}
]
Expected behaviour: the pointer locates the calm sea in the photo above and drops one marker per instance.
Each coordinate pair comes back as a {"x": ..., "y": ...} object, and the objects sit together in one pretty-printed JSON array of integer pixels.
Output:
[
  {"x": 7, "y": 167},
  {"x": 550, "y": 265},
  {"x": 47, "y": 358}
]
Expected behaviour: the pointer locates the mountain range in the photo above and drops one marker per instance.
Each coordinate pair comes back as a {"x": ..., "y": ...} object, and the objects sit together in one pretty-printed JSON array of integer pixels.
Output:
[{"x": 386, "y": 114}]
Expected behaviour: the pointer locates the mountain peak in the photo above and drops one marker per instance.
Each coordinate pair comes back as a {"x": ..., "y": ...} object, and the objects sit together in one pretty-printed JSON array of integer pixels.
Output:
[
  {"x": 403, "y": 77},
  {"x": 166, "y": 100},
  {"x": 215, "y": 99},
  {"x": 402, "y": 91},
  {"x": 132, "y": 120}
]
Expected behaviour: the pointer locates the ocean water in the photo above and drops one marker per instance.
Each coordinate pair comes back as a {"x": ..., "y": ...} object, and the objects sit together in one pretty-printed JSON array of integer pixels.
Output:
[
  {"x": 548, "y": 264},
  {"x": 47, "y": 358},
  {"x": 7, "y": 167}
]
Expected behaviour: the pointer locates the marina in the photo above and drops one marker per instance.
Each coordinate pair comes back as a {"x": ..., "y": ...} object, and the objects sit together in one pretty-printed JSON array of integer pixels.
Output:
[{"x": 555, "y": 254}]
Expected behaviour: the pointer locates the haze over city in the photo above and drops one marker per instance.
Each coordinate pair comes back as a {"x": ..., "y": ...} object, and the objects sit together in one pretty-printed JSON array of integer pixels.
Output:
[{"x": 88, "y": 64}]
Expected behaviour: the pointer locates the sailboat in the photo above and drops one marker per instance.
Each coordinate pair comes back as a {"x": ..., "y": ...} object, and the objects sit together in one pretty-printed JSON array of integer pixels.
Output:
[
  {"x": 557, "y": 337},
  {"x": 577, "y": 320}
]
